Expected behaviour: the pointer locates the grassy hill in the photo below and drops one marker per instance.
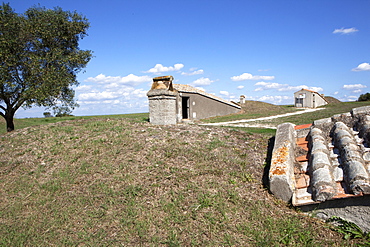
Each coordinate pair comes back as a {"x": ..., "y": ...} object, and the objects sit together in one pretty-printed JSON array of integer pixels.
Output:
[
  {"x": 257, "y": 109},
  {"x": 331, "y": 100},
  {"x": 120, "y": 181},
  {"x": 253, "y": 109}
]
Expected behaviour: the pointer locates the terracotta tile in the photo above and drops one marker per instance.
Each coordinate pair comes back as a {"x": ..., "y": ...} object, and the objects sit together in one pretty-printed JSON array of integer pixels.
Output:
[
  {"x": 303, "y": 126},
  {"x": 302, "y": 181},
  {"x": 302, "y": 143},
  {"x": 297, "y": 170},
  {"x": 302, "y": 158},
  {"x": 340, "y": 189},
  {"x": 346, "y": 196},
  {"x": 302, "y": 140}
]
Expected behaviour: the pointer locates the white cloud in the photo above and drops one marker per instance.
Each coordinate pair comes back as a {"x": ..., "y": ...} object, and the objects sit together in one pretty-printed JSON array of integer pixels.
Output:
[
  {"x": 248, "y": 76},
  {"x": 345, "y": 30},
  {"x": 200, "y": 88},
  {"x": 268, "y": 85},
  {"x": 195, "y": 72},
  {"x": 349, "y": 98},
  {"x": 130, "y": 79},
  {"x": 354, "y": 88},
  {"x": 240, "y": 87},
  {"x": 283, "y": 87},
  {"x": 297, "y": 88},
  {"x": 277, "y": 99},
  {"x": 83, "y": 88},
  {"x": 139, "y": 93},
  {"x": 201, "y": 82},
  {"x": 362, "y": 67},
  {"x": 335, "y": 93},
  {"x": 159, "y": 68},
  {"x": 226, "y": 93},
  {"x": 93, "y": 96}
]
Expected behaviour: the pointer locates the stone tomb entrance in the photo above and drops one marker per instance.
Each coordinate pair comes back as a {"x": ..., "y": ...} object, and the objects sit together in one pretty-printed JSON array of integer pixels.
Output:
[{"x": 175, "y": 103}]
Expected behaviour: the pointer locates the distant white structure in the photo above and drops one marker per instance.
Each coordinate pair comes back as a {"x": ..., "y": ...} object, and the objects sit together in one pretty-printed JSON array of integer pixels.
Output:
[
  {"x": 242, "y": 99},
  {"x": 308, "y": 98}
]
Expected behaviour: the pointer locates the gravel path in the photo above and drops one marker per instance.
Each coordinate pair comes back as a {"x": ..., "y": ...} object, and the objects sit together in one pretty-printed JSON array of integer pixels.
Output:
[{"x": 246, "y": 122}]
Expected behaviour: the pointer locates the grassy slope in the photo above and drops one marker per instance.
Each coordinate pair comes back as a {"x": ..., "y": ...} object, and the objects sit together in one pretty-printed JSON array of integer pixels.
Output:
[
  {"x": 260, "y": 109},
  {"x": 21, "y": 123},
  {"x": 328, "y": 111},
  {"x": 253, "y": 109},
  {"x": 121, "y": 181},
  {"x": 113, "y": 182}
]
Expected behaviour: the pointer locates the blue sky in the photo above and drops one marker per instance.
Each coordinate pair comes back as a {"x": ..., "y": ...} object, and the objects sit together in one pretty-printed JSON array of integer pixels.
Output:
[{"x": 265, "y": 49}]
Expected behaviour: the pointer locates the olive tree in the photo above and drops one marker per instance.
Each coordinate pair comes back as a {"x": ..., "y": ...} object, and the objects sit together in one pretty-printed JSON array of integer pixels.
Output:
[
  {"x": 39, "y": 58},
  {"x": 364, "y": 97}
]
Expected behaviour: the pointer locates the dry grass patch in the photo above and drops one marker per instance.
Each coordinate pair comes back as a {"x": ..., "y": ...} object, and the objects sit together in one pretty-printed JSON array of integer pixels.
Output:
[{"x": 116, "y": 182}]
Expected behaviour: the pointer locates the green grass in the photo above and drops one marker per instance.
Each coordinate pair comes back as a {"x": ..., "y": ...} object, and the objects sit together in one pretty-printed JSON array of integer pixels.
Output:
[
  {"x": 117, "y": 180},
  {"x": 328, "y": 111},
  {"x": 124, "y": 182},
  {"x": 254, "y": 109},
  {"x": 21, "y": 123}
]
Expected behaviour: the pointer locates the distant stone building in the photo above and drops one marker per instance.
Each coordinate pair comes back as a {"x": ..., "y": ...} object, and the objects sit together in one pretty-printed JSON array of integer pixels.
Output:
[
  {"x": 174, "y": 103},
  {"x": 242, "y": 99},
  {"x": 308, "y": 98}
]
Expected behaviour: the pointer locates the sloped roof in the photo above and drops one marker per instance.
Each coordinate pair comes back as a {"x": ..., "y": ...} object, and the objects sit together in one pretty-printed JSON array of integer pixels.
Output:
[
  {"x": 311, "y": 91},
  {"x": 189, "y": 89}
]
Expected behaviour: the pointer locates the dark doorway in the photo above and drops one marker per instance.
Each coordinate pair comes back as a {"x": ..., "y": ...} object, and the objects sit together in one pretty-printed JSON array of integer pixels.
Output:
[{"x": 185, "y": 107}]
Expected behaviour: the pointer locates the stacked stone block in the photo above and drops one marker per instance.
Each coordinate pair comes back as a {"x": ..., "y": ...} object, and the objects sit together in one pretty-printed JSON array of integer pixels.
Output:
[
  {"x": 338, "y": 159},
  {"x": 320, "y": 166}
]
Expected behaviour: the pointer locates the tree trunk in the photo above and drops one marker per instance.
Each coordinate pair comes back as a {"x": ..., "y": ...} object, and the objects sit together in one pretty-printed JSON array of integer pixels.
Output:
[{"x": 9, "y": 117}]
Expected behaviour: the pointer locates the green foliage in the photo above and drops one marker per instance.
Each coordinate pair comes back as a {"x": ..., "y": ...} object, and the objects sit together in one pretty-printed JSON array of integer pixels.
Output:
[
  {"x": 39, "y": 58},
  {"x": 364, "y": 97},
  {"x": 62, "y": 111},
  {"x": 47, "y": 114},
  {"x": 349, "y": 229}
]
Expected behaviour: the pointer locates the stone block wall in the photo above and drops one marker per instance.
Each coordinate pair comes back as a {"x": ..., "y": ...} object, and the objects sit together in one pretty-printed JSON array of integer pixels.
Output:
[{"x": 162, "y": 107}]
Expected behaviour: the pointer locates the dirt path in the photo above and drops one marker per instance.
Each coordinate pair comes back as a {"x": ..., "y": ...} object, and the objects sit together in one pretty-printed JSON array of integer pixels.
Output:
[{"x": 247, "y": 122}]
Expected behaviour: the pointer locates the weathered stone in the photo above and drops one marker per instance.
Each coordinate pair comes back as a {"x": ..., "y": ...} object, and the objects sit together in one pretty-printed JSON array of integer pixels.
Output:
[
  {"x": 338, "y": 174},
  {"x": 315, "y": 131},
  {"x": 356, "y": 210},
  {"x": 340, "y": 125},
  {"x": 317, "y": 138},
  {"x": 319, "y": 147},
  {"x": 350, "y": 153},
  {"x": 322, "y": 184},
  {"x": 319, "y": 160},
  {"x": 162, "y": 106},
  {"x": 344, "y": 141},
  {"x": 338, "y": 117},
  {"x": 366, "y": 156},
  {"x": 322, "y": 121},
  {"x": 361, "y": 110},
  {"x": 340, "y": 133},
  {"x": 360, "y": 187},
  {"x": 323, "y": 193},
  {"x": 281, "y": 175},
  {"x": 356, "y": 171}
]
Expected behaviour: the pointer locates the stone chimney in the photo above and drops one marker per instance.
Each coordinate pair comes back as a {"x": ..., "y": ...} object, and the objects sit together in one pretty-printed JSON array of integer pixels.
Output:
[{"x": 162, "y": 101}]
